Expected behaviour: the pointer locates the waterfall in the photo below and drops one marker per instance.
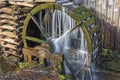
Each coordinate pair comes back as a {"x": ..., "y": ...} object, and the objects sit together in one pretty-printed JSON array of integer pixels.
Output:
[
  {"x": 69, "y": 42},
  {"x": 67, "y": 38}
]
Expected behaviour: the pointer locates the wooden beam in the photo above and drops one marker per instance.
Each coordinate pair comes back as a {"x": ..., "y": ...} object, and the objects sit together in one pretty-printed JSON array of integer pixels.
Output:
[
  {"x": 21, "y": 3},
  {"x": 10, "y": 46},
  {"x": 7, "y": 27},
  {"x": 9, "y": 34},
  {"x": 45, "y": 0},
  {"x": 9, "y": 41},
  {"x": 31, "y": 0}
]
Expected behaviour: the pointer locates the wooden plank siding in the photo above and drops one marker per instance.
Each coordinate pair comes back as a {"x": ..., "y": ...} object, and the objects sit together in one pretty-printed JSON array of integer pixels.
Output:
[{"x": 31, "y": 0}]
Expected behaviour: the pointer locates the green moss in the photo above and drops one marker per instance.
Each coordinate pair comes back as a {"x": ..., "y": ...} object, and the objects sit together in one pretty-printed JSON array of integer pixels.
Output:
[
  {"x": 108, "y": 54},
  {"x": 64, "y": 77},
  {"x": 87, "y": 37},
  {"x": 93, "y": 30},
  {"x": 74, "y": 16},
  {"x": 112, "y": 65},
  {"x": 58, "y": 7},
  {"x": 78, "y": 14},
  {"x": 89, "y": 22},
  {"x": 95, "y": 38},
  {"x": 26, "y": 65},
  {"x": 34, "y": 39},
  {"x": 110, "y": 60},
  {"x": 84, "y": 15},
  {"x": 80, "y": 9},
  {"x": 81, "y": 12}
]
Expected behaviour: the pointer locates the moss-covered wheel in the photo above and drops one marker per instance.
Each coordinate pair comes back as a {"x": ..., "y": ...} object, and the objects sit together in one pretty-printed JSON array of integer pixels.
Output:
[{"x": 38, "y": 27}]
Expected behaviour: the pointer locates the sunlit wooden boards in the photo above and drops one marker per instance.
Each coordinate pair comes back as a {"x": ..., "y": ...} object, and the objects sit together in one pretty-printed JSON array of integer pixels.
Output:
[
  {"x": 30, "y": 0},
  {"x": 11, "y": 19}
]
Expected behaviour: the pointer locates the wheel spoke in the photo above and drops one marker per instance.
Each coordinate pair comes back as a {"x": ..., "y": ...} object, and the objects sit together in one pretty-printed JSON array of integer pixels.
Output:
[
  {"x": 34, "y": 39},
  {"x": 39, "y": 26},
  {"x": 70, "y": 30}
]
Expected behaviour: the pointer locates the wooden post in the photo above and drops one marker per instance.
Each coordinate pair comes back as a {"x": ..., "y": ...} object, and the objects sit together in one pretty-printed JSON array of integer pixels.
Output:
[
  {"x": 106, "y": 10},
  {"x": 113, "y": 13},
  {"x": 118, "y": 18}
]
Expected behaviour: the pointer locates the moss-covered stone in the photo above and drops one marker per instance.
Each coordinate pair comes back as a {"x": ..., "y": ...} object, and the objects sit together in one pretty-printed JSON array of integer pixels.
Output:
[{"x": 64, "y": 77}]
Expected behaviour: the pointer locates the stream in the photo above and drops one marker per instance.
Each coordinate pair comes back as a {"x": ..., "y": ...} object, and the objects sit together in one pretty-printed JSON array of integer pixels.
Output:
[{"x": 102, "y": 74}]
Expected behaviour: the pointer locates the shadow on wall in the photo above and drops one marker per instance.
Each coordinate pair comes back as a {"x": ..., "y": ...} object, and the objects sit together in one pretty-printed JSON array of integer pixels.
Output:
[{"x": 110, "y": 34}]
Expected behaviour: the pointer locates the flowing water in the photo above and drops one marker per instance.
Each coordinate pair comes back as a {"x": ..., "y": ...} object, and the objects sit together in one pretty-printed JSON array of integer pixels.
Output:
[{"x": 68, "y": 38}]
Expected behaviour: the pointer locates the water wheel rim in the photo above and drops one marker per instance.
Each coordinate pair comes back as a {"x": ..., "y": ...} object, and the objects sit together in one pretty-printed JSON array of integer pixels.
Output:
[
  {"x": 59, "y": 7},
  {"x": 71, "y": 14}
]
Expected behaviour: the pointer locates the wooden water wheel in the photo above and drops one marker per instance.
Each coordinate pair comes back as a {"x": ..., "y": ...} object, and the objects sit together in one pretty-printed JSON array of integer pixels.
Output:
[
  {"x": 35, "y": 30},
  {"x": 34, "y": 33},
  {"x": 20, "y": 23}
]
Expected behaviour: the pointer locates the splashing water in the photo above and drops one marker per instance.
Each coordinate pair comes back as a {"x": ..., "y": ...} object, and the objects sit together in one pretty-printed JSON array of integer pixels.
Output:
[
  {"x": 68, "y": 39},
  {"x": 71, "y": 44}
]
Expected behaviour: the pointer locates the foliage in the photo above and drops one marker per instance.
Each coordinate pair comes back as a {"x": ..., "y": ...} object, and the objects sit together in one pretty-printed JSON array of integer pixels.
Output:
[
  {"x": 112, "y": 65},
  {"x": 108, "y": 53},
  {"x": 25, "y": 65},
  {"x": 110, "y": 60},
  {"x": 65, "y": 77}
]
